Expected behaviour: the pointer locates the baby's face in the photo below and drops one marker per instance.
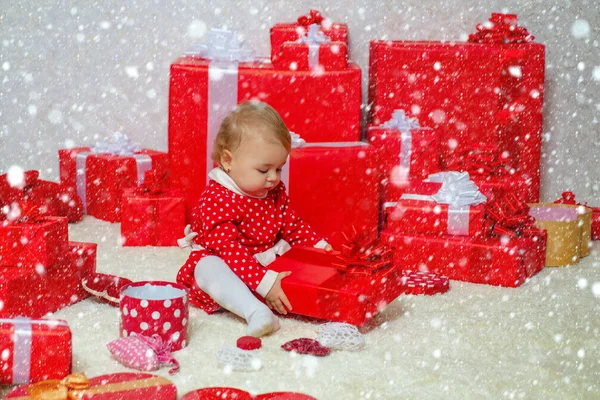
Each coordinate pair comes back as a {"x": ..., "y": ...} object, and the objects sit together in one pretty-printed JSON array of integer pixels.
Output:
[{"x": 256, "y": 164}]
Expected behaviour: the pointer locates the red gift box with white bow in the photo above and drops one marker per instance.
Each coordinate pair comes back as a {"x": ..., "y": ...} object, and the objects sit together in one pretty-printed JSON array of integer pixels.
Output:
[
  {"x": 100, "y": 173},
  {"x": 35, "y": 292},
  {"x": 282, "y": 33},
  {"x": 489, "y": 90},
  {"x": 152, "y": 216},
  {"x": 198, "y": 102},
  {"x": 34, "y": 350}
]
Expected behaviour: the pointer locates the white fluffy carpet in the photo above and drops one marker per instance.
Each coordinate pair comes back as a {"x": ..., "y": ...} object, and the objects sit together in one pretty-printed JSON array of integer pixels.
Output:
[{"x": 537, "y": 341}]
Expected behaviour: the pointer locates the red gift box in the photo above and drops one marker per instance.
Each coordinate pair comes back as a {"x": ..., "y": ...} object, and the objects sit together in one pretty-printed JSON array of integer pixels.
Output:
[
  {"x": 34, "y": 293},
  {"x": 218, "y": 393},
  {"x": 52, "y": 198},
  {"x": 34, "y": 350},
  {"x": 407, "y": 150},
  {"x": 121, "y": 386},
  {"x": 152, "y": 219},
  {"x": 317, "y": 289},
  {"x": 101, "y": 177},
  {"x": 291, "y": 32},
  {"x": 470, "y": 93},
  {"x": 334, "y": 187},
  {"x": 486, "y": 260},
  {"x": 161, "y": 308},
  {"x": 33, "y": 243},
  {"x": 197, "y": 105}
]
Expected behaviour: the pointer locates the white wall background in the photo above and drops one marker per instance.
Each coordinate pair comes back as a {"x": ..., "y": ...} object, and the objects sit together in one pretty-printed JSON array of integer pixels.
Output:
[{"x": 74, "y": 71}]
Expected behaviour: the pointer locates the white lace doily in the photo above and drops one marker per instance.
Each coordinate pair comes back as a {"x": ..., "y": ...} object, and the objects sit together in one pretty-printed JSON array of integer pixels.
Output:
[
  {"x": 238, "y": 359},
  {"x": 340, "y": 336}
]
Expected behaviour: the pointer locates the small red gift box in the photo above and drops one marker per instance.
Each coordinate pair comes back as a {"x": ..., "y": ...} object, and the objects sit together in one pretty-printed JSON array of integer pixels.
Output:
[
  {"x": 100, "y": 176},
  {"x": 334, "y": 187},
  {"x": 290, "y": 32},
  {"x": 315, "y": 51},
  {"x": 470, "y": 93},
  {"x": 407, "y": 150},
  {"x": 450, "y": 205},
  {"x": 36, "y": 292},
  {"x": 218, "y": 393},
  {"x": 487, "y": 260},
  {"x": 52, "y": 198},
  {"x": 152, "y": 219},
  {"x": 161, "y": 308},
  {"x": 33, "y": 243},
  {"x": 34, "y": 350},
  {"x": 316, "y": 288},
  {"x": 121, "y": 386}
]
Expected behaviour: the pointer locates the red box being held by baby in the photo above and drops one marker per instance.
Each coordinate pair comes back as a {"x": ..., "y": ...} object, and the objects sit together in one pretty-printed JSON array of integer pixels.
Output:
[
  {"x": 471, "y": 93},
  {"x": 35, "y": 292},
  {"x": 316, "y": 288},
  {"x": 291, "y": 32},
  {"x": 101, "y": 177},
  {"x": 34, "y": 350}
]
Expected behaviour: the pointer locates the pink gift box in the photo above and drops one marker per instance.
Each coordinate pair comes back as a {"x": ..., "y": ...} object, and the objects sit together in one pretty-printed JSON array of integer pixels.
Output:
[{"x": 151, "y": 307}]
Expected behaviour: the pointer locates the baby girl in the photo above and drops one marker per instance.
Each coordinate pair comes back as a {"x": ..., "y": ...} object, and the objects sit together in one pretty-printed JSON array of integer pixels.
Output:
[{"x": 243, "y": 219}]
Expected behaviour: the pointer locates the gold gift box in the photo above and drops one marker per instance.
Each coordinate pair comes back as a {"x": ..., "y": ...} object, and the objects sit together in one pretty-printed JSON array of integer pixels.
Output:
[{"x": 569, "y": 229}]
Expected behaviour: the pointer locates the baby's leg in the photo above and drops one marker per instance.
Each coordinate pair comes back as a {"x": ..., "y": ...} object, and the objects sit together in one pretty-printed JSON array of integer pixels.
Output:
[{"x": 226, "y": 288}]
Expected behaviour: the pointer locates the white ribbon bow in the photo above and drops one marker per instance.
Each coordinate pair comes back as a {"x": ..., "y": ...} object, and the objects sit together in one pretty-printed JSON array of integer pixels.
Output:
[
  {"x": 268, "y": 256},
  {"x": 401, "y": 122},
  {"x": 314, "y": 36},
  {"x": 222, "y": 45},
  {"x": 117, "y": 143},
  {"x": 457, "y": 189},
  {"x": 297, "y": 141}
]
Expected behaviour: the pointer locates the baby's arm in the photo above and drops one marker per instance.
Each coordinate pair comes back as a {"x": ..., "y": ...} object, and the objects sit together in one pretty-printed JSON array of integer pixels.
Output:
[{"x": 297, "y": 232}]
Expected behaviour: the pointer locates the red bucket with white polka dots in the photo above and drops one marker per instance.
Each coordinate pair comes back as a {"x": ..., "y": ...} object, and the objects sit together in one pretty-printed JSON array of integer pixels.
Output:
[{"x": 155, "y": 307}]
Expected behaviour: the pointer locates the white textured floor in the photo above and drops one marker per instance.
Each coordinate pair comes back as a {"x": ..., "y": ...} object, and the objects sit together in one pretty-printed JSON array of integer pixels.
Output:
[{"x": 541, "y": 340}]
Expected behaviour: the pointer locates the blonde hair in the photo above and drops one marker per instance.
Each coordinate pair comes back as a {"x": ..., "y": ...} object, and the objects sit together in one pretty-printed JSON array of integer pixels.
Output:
[{"x": 246, "y": 118}]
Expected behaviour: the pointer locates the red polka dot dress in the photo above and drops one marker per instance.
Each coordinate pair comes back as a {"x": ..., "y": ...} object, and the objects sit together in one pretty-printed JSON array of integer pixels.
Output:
[{"x": 235, "y": 227}]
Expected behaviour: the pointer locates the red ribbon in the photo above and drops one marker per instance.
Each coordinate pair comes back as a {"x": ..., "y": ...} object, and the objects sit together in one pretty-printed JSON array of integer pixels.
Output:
[
  {"x": 503, "y": 29},
  {"x": 30, "y": 214},
  {"x": 569, "y": 198},
  {"x": 152, "y": 183},
  {"x": 509, "y": 216},
  {"x": 313, "y": 17},
  {"x": 483, "y": 161},
  {"x": 362, "y": 256}
]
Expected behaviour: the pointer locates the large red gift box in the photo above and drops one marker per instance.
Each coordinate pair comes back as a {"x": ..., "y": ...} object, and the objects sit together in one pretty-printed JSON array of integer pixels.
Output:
[
  {"x": 470, "y": 93},
  {"x": 101, "y": 177},
  {"x": 320, "y": 107},
  {"x": 52, "y": 198},
  {"x": 488, "y": 260},
  {"x": 120, "y": 386},
  {"x": 317, "y": 289},
  {"x": 152, "y": 219},
  {"x": 33, "y": 243},
  {"x": 291, "y": 32},
  {"x": 34, "y": 350},
  {"x": 334, "y": 187},
  {"x": 34, "y": 293},
  {"x": 408, "y": 151}
]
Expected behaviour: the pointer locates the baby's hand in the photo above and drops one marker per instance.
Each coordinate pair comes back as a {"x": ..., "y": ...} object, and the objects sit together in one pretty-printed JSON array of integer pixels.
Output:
[
  {"x": 276, "y": 298},
  {"x": 328, "y": 248}
]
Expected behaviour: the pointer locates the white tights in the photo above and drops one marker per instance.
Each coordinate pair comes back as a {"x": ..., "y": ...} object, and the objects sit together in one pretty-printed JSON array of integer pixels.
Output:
[{"x": 218, "y": 280}]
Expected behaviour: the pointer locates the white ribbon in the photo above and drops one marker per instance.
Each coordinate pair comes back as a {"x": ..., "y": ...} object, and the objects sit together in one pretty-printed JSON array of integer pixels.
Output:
[
  {"x": 314, "y": 38},
  {"x": 118, "y": 144},
  {"x": 403, "y": 124},
  {"x": 268, "y": 256},
  {"x": 225, "y": 51},
  {"x": 459, "y": 192},
  {"x": 22, "y": 340}
]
